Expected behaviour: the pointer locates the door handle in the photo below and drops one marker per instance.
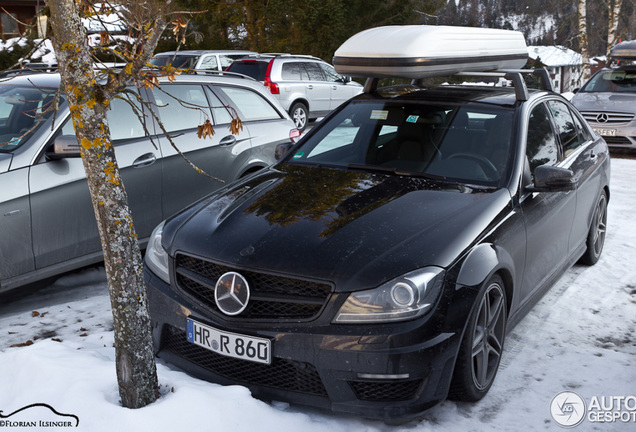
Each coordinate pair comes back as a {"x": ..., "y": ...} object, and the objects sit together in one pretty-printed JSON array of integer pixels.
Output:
[
  {"x": 144, "y": 160},
  {"x": 227, "y": 140},
  {"x": 310, "y": 87}
]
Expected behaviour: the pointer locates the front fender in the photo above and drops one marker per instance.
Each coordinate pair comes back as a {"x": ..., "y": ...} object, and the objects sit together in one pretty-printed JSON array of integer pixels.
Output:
[{"x": 482, "y": 262}]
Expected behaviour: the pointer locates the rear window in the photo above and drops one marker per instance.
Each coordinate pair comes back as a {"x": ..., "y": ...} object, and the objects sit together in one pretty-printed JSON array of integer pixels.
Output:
[{"x": 252, "y": 68}]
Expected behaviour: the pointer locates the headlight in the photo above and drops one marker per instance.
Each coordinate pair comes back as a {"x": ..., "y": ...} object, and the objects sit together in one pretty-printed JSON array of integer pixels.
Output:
[
  {"x": 403, "y": 298},
  {"x": 156, "y": 256}
]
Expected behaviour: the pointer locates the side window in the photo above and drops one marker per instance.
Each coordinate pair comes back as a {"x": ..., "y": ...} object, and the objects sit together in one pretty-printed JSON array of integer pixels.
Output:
[
  {"x": 568, "y": 132},
  {"x": 181, "y": 106},
  {"x": 209, "y": 62},
  {"x": 330, "y": 73},
  {"x": 123, "y": 121},
  {"x": 583, "y": 131},
  {"x": 219, "y": 110},
  {"x": 252, "y": 106},
  {"x": 314, "y": 71},
  {"x": 293, "y": 71},
  {"x": 541, "y": 143},
  {"x": 67, "y": 128}
]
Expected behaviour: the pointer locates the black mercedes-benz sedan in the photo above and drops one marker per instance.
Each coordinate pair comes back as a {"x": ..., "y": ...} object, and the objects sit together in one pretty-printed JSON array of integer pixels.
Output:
[{"x": 376, "y": 268}]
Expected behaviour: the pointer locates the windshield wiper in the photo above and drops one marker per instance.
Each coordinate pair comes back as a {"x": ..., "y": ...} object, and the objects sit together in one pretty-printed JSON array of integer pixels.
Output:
[{"x": 391, "y": 170}]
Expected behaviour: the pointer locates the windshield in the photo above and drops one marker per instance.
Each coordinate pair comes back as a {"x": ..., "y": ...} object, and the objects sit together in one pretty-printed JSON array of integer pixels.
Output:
[
  {"x": 614, "y": 81},
  {"x": 22, "y": 111},
  {"x": 467, "y": 143}
]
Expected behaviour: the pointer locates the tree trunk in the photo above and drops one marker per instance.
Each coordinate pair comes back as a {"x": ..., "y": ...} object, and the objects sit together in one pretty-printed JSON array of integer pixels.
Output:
[
  {"x": 614, "y": 10},
  {"x": 135, "y": 362},
  {"x": 582, "y": 36}
]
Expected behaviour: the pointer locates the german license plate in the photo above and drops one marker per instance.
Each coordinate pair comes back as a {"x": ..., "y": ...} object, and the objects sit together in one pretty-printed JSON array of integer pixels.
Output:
[
  {"x": 605, "y": 132},
  {"x": 229, "y": 344}
]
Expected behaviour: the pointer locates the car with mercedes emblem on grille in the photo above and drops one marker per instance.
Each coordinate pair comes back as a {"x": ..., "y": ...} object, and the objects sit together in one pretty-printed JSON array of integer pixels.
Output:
[
  {"x": 608, "y": 99},
  {"x": 376, "y": 268}
]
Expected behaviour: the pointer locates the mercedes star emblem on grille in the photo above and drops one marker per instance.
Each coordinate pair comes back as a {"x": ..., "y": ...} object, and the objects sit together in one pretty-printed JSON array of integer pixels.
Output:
[
  {"x": 602, "y": 118},
  {"x": 232, "y": 293}
]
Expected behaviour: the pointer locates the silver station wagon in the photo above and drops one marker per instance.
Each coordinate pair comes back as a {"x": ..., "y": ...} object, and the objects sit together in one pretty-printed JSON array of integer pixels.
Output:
[{"x": 47, "y": 224}]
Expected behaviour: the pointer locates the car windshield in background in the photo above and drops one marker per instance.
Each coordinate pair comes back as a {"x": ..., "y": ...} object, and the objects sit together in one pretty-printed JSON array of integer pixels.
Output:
[
  {"x": 178, "y": 61},
  {"x": 614, "y": 81},
  {"x": 467, "y": 143},
  {"x": 22, "y": 110}
]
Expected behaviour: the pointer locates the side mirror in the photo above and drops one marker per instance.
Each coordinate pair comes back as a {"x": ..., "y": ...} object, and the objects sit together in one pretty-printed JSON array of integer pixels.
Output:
[
  {"x": 345, "y": 79},
  {"x": 64, "y": 146},
  {"x": 552, "y": 179},
  {"x": 282, "y": 149}
]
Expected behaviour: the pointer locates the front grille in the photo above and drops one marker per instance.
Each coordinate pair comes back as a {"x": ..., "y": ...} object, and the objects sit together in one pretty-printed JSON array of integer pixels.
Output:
[
  {"x": 607, "y": 118},
  {"x": 281, "y": 374},
  {"x": 385, "y": 391},
  {"x": 617, "y": 140},
  {"x": 272, "y": 297}
]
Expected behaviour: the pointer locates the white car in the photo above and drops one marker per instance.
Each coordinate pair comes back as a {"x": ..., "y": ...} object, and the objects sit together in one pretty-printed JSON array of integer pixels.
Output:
[
  {"x": 307, "y": 87},
  {"x": 202, "y": 60}
]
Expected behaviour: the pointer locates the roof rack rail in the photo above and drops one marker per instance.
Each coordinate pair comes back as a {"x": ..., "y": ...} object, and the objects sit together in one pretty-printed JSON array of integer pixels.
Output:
[
  {"x": 292, "y": 55},
  {"x": 521, "y": 90},
  {"x": 221, "y": 73},
  {"x": 514, "y": 75}
]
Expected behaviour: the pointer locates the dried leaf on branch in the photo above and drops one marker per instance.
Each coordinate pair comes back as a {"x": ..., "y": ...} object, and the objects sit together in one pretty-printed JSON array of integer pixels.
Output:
[{"x": 205, "y": 130}]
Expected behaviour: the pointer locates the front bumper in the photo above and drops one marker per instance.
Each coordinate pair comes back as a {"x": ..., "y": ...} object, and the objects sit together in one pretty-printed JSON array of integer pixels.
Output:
[
  {"x": 386, "y": 372},
  {"x": 616, "y": 136}
]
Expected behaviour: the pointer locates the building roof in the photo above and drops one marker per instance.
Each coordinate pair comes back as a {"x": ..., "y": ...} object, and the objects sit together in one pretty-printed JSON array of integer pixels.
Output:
[{"x": 555, "y": 55}]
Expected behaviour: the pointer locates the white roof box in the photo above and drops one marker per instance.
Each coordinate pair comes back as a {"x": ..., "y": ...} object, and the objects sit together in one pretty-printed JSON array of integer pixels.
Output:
[
  {"x": 418, "y": 51},
  {"x": 624, "y": 51}
]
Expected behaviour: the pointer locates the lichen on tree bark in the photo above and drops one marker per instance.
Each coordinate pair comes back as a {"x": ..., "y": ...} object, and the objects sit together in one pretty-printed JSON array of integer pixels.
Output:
[{"x": 88, "y": 99}]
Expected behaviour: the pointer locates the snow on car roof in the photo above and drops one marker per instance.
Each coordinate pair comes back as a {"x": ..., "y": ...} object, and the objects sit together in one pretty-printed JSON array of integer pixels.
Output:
[{"x": 418, "y": 51}]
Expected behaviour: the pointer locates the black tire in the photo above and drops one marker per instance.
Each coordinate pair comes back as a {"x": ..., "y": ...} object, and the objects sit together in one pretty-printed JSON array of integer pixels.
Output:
[
  {"x": 482, "y": 345},
  {"x": 596, "y": 235},
  {"x": 300, "y": 115}
]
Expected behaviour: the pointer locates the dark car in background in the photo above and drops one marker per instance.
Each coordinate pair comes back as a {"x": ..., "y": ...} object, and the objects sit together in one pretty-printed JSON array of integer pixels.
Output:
[{"x": 47, "y": 223}]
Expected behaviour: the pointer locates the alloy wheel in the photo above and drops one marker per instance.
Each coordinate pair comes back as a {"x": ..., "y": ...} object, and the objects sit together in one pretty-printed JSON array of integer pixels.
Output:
[{"x": 488, "y": 336}]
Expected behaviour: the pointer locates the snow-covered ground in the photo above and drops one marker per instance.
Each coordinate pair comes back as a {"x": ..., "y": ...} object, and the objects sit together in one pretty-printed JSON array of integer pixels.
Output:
[{"x": 580, "y": 337}]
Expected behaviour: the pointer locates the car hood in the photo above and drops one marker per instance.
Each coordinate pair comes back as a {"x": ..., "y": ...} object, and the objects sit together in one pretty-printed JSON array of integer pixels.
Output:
[
  {"x": 355, "y": 229},
  {"x": 616, "y": 102}
]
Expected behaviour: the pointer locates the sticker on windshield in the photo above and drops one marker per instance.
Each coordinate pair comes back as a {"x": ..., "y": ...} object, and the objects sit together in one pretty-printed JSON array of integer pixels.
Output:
[
  {"x": 412, "y": 119},
  {"x": 299, "y": 155},
  {"x": 379, "y": 114}
]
